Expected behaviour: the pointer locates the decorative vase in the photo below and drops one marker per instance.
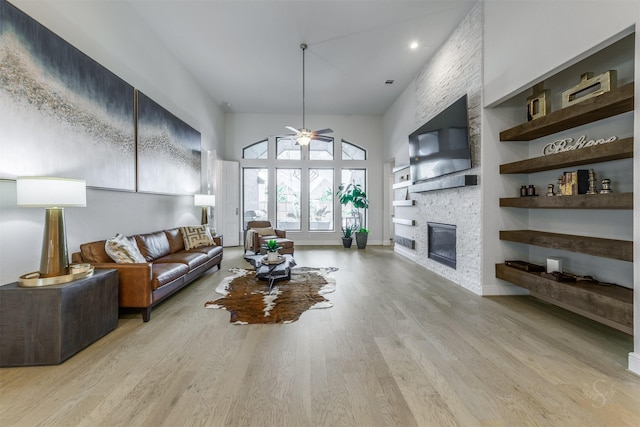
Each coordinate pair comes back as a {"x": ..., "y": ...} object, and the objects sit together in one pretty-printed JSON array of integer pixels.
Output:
[
  {"x": 272, "y": 256},
  {"x": 346, "y": 241},
  {"x": 361, "y": 240}
]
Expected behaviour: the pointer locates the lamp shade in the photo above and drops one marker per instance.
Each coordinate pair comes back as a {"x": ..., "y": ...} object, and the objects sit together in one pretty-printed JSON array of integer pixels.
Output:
[
  {"x": 43, "y": 191},
  {"x": 204, "y": 200}
]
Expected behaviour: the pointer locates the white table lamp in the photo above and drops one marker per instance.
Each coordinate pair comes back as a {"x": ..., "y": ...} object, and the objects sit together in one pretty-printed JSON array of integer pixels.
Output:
[
  {"x": 54, "y": 194},
  {"x": 204, "y": 200}
]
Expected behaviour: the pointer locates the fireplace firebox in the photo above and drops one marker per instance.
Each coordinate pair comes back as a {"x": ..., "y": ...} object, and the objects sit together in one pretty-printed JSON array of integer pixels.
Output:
[{"x": 442, "y": 243}]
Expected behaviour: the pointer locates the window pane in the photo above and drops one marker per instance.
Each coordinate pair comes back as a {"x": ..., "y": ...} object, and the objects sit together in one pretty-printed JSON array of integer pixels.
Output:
[
  {"x": 259, "y": 150},
  {"x": 351, "y": 217},
  {"x": 256, "y": 195},
  {"x": 321, "y": 199},
  {"x": 288, "y": 199},
  {"x": 287, "y": 149},
  {"x": 352, "y": 152},
  {"x": 321, "y": 150}
]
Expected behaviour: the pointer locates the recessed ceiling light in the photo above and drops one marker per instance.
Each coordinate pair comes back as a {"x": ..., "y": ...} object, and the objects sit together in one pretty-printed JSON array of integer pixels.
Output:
[
  {"x": 413, "y": 45},
  {"x": 389, "y": 82}
]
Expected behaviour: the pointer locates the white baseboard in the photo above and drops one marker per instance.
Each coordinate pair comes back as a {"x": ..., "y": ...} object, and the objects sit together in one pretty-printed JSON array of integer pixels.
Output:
[
  {"x": 634, "y": 363},
  {"x": 405, "y": 252}
]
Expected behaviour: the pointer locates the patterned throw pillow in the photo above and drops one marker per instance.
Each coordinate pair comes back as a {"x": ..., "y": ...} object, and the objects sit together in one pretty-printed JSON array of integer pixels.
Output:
[
  {"x": 267, "y": 231},
  {"x": 122, "y": 250},
  {"x": 196, "y": 236}
]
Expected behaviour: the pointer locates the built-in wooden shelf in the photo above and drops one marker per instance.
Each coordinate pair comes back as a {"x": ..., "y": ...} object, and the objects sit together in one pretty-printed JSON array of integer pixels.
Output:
[
  {"x": 608, "y": 304},
  {"x": 609, "y": 104},
  {"x": 616, "y": 150},
  {"x": 404, "y": 221},
  {"x": 445, "y": 183},
  {"x": 581, "y": 201},
  {"x": 404, "y": 241},
  {"x": 401, "y": 184},
  {"x": 404, "y": 203},
  {"x": 606, "y": 248},
  {"x": 400, "y": 168}
]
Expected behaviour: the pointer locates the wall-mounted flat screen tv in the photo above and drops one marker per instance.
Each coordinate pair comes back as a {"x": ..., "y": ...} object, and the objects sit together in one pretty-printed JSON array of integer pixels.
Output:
[{"x": 441, "y": 146}]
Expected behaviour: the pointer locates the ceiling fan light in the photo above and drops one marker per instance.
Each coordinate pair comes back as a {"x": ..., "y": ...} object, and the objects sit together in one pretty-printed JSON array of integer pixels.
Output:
[{"x": 303, "y": 139}]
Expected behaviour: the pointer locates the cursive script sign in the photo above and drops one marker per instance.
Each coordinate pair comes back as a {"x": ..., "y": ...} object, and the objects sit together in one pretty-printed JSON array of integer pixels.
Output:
[{"x": 569, "y": 144}]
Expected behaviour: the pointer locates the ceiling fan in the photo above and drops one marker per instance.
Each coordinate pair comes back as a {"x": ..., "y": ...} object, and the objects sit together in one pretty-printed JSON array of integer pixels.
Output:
[{"x": 303, "y": 135}]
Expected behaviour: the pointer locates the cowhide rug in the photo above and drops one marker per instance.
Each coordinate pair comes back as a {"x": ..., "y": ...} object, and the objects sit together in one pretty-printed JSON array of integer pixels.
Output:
[{"x": 249, "y": 302}]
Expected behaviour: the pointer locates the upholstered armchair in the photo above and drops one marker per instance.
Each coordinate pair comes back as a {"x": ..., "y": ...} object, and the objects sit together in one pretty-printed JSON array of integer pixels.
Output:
[{"x": 260, "y": 232}]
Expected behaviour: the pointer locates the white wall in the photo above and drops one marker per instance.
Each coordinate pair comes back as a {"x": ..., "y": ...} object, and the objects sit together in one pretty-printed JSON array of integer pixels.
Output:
[
  {"x": 111, "y": 34},
  {"x": 365, "y": 131},
  {"x": 520, "y": 51}
]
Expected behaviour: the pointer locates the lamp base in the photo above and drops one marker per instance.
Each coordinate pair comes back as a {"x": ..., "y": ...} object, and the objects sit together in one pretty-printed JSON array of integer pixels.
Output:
[
  {"x": 55, "y": 258},
  {"x": 205, "y": 216},
  {"x": 35, "y": 280}
]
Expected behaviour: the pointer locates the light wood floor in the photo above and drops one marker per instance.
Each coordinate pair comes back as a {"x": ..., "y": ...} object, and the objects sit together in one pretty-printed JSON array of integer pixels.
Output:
[{"x": 400, "y": 347}]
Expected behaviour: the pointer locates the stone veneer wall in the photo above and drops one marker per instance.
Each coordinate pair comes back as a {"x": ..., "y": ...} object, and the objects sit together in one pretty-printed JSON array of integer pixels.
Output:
[{"x": 455, "y": 70}]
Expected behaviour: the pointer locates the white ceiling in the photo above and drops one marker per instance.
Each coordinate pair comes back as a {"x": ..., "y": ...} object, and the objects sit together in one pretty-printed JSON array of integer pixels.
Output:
[{"x": 247, "y": 53}]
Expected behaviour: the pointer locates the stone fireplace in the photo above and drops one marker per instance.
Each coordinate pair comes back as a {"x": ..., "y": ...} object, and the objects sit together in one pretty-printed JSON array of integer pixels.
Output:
[{"x": 442, "y": 243}]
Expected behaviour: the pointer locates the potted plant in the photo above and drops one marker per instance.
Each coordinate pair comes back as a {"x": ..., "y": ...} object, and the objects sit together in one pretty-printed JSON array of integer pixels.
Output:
[
  {"x": 362, "y": 236},
  {"x": 353, "y": 194},
  {"x": 347, "y": 236},
  {"x": 272, "y": 249}
]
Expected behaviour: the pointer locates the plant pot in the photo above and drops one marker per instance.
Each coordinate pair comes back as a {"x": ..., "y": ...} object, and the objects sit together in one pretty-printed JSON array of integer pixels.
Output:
[
  {"x": 346, "y": 241},
  {"x": 272, "y": 256},
  {"x": 361, "y": 240}
]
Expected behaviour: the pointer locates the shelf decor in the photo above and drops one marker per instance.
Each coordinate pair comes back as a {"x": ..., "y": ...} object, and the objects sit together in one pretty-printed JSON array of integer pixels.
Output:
[
  {"x": 589, "y": 87},
  {"x": 537, "y": 104},
  {"x": 567, "y": 144}
]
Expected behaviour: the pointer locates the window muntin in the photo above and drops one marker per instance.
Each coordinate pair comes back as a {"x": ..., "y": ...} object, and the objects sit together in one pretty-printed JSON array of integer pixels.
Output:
[
  {"x": 320, "y": 199},
  {"x": 287, "y": 149},
  {"x": 321, "y": 150},
  {"x": 288, "y": 189},
  {"x": 353, "y": 217},
  {"x": 352, "y": 152},
  {"x": 259, "y": 150},
  {"x": 256, "y": 195}
]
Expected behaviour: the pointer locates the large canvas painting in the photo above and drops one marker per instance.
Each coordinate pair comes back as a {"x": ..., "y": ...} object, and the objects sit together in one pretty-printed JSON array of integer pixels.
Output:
[
  {"x": 61, "y": 113},
  {"x": 168, "y": 151}
]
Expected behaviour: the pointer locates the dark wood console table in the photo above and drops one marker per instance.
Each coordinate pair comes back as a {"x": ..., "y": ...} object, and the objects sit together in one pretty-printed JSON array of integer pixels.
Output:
[{"x": 47, "y": 325}]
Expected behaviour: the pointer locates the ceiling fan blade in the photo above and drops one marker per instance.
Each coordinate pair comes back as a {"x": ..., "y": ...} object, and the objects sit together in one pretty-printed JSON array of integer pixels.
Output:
[
  {"x": 323, "y": 138},
  {"x": 322, "y": 131},
  {"x": 292, "y": 129}
]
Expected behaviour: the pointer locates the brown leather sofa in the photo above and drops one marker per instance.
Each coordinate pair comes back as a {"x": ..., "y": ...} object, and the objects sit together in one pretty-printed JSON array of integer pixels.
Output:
[
  {"x": 169, "y": 267},
  {"x": 258, "y": 240}
]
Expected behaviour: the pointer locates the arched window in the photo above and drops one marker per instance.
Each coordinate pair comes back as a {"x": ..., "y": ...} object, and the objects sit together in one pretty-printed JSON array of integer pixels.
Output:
[
  {"x": 352, "y": 152},
  {"x": 259, "y": 150}
]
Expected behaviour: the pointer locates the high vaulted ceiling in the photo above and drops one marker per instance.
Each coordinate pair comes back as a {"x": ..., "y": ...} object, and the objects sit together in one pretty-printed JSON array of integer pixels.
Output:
[{"x": 247, "y": 54}]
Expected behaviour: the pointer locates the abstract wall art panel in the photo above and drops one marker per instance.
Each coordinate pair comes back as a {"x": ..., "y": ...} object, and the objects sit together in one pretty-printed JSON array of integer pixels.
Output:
[
  {"x": 61, "y": 113},
  {"x": 168, "y": 151}
]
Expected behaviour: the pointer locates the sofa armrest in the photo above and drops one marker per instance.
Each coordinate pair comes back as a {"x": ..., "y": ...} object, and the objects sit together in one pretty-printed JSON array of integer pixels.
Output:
[
  {"x": 218, "y": 240},
  {"x": 134, "y": 283}
]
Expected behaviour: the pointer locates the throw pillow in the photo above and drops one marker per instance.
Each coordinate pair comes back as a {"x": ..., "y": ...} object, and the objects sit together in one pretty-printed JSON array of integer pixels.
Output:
[
  {"x": 196, "y": 236},
  {"x": 122, "y": 250},
  {"x": 267, "y": 231}
]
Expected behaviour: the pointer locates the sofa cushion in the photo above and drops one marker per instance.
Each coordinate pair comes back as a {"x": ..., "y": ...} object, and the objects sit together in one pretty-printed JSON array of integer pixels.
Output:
[
  {"x": 94, "y": 252},
  {"x": 196, "y": 236},
  {"x": 123, "y": 250},
  {"x": 191, "y": 259},
  {"x": 163, "y": 273},
  {"x": 176, "y": 242},
  {"x": 209, "y": 251},
  {"x": 153, "y": 245}
]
